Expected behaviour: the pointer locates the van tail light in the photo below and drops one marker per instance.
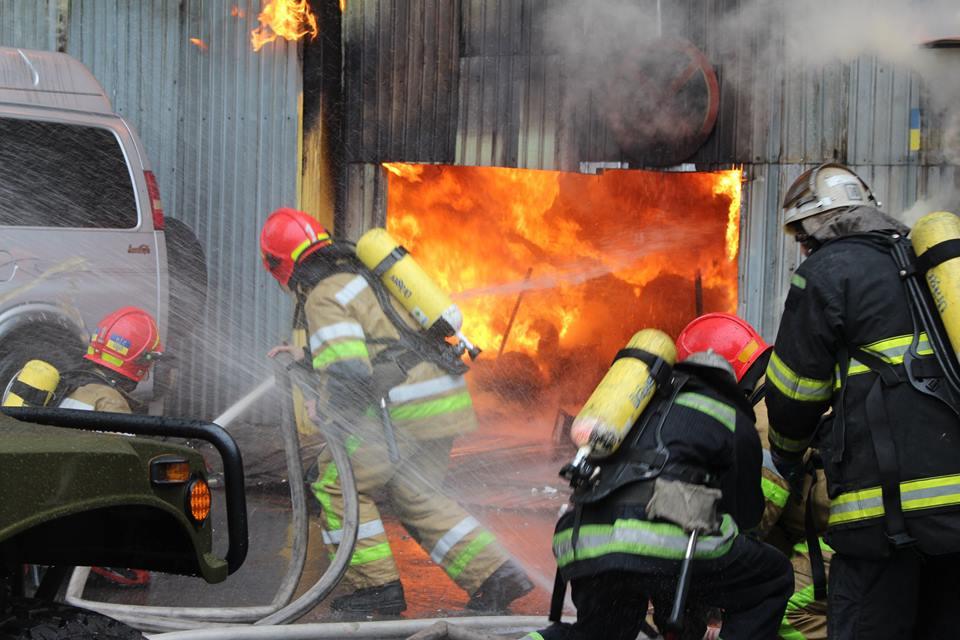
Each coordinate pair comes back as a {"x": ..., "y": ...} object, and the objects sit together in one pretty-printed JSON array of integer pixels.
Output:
[{"x": 155, "y": 207}]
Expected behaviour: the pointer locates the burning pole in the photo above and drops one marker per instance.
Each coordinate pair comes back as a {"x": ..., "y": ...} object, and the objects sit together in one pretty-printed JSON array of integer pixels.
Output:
[
  {"x": 513, "y": 315},
  {"x": 698, "y": 293}
]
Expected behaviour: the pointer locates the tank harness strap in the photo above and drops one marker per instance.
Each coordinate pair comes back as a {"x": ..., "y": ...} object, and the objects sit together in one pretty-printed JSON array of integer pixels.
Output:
[
  {"x": 395, "y": 351},
  {"x": 660, "y": 369},
  {"x": 389, "y": 260},
  {"x": 884, "y": 447},
  {"x": 938, "y": 254},
  {"x": 31, "y": 395},
  {"x": 818, "y": 570},
  {"x": 556, "y": 598}
]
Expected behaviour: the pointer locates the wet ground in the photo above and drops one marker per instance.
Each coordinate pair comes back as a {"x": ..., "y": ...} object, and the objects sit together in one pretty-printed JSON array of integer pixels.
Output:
[{"x": 505, "y": 475}]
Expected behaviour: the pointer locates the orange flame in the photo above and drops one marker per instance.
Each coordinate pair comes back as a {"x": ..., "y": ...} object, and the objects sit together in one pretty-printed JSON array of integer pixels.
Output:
[
  {"x": 343, "y": 6},
  {"x": 287, "y": 19},
  {"x": 610, "y": 254},
  {"x": 237, "y": 12},
  {"x": 200, "y": 44}
]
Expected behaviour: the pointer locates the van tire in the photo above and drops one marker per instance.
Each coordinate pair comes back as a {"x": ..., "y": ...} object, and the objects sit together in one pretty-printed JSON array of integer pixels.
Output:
[
  {"x": 56, "y": 345},
  {"x": 187, "y": 268},
  {"x": 39, "y": 620}
]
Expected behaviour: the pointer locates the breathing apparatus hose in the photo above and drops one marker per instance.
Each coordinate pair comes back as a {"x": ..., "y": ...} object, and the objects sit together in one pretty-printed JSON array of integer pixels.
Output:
[{"x": 281, "y": 610}]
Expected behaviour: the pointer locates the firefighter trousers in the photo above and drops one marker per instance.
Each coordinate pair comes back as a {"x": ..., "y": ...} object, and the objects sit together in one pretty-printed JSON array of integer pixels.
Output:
[
  {"x": 454, "y": 540},
  {"x": 906, "y": 595},
  {"x": 751, "y": 584},
  {"x": 806, "y": 617}
]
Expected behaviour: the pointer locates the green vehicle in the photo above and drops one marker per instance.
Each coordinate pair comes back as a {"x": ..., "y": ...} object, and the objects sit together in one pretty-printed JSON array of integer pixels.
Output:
[{"x": 75, "y": 492}]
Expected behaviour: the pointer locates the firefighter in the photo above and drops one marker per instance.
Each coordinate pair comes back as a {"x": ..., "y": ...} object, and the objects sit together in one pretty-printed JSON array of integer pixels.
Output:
[
  {"x": 119, "y": 355},
  {"x": 617, "y": 558},
  {"x": 891, "y": 452},
  {"x": 354, "y": 347},
  {"x": 784, "y": 524}
]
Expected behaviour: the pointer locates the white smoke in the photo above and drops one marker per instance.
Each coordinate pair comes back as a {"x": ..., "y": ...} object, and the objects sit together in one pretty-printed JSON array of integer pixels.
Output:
[
  {"x": 948, "y": 200},
  {"x": 799, "y": 36}
]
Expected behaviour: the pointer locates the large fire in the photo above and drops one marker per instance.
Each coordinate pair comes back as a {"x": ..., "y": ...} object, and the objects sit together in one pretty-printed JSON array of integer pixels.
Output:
[
  {"x": 288, "y": 19},
  {"x": 591, "y": 259}
]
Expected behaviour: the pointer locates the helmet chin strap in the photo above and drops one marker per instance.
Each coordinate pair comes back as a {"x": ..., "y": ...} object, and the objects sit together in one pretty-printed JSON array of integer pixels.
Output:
[{"x": 804, "y": 239}]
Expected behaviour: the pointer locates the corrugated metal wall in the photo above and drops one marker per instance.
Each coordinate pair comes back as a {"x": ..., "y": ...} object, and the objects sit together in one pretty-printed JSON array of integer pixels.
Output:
[
  {"x": 220, "y": 124},
  {"x": 776, "y": 117}
]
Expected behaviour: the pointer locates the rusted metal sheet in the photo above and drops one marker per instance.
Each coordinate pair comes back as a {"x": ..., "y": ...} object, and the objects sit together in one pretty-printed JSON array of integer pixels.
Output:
[{"x": 402, "y": 62}]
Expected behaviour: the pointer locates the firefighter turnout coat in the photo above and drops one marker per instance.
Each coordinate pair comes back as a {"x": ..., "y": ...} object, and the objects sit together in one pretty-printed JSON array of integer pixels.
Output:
[
  {"x": 348, "y": 333},
  {"x": 845, "y": 300},
  {"x": 710, "y": 438}
]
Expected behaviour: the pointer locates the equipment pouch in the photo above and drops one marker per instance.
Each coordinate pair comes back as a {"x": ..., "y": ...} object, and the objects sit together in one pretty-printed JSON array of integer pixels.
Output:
[{"x": 691, "y": 506}]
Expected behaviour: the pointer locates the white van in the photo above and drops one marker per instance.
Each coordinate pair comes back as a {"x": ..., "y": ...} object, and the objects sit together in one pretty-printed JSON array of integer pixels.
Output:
[{"x": 82, "y": 230}]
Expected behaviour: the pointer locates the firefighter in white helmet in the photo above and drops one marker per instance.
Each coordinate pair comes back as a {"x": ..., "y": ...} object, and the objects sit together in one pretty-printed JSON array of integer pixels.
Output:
[
  {"x": 849, "y": 340},
  {"x": 353, "y": 342}
]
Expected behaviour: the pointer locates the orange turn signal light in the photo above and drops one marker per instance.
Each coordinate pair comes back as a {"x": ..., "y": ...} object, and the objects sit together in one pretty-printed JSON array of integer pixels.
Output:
[
  {"x": 198, "y": 500},
  {"x": 169, "y": 470}
]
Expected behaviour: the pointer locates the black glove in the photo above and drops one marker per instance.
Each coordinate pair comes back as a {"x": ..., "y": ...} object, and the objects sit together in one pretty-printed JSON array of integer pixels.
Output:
[{"x": 793, "y": 471}]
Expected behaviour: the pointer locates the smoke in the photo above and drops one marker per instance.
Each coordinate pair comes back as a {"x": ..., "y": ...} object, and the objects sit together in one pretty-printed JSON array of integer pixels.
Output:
[
  {"x": 757, "y": 45},
  {"x": 948, "y": 200}
]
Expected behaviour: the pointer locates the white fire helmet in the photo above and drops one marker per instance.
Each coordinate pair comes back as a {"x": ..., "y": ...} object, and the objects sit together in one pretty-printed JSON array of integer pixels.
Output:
[{"x": 825, "y": 188}]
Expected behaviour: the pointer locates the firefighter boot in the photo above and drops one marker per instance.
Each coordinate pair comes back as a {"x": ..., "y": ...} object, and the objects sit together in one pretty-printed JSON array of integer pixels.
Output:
[
  {"x": 505, "y": 585},
  {"x": 384, "y": 600}
]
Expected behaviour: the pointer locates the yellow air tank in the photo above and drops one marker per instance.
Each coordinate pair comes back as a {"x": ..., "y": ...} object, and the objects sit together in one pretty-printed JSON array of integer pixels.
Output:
[
  {"x": 33, "y": 386},
  {"x": 621, "y": 396},
  {"x": 430, "y": 306},
  {"x": 943, "y": 279}
]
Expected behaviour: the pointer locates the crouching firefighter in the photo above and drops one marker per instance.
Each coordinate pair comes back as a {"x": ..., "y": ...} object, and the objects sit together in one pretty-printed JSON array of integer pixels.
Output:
[
  {"x": 119, "y": 355},
  {"x": 791, "y": 523},
  {"x": 395, "y": 395},
  {"x": 860, "y": 334},
  {"x": 674, "y": 496}
]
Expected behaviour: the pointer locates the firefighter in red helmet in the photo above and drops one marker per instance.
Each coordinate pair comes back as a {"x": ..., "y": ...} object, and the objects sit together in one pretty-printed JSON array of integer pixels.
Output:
[
  {"x": 120, "y": 354},
  {"x": 352, "y": 336},
  {"x": 784, "y": 523}
]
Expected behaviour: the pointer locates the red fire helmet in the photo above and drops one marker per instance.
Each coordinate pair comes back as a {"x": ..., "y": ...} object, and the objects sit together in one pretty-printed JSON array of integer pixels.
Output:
[
  {"x": 289, "y": 236},
  {"x": 127, "y": 341},
  {"x": 728, "y": 335}
]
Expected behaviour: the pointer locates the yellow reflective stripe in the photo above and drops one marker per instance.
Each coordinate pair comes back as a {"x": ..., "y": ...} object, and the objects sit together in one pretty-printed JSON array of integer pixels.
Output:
[
  {"x": 371, "y": 554},
  {"x": 430, "y": 408},
  {"x": 797, "y": 387},
  {"x": 330, "y": 475},
  {"x": 787, "y": 444},
  {"x": 469, "y": 553},
  {"x": 300, "y": 248},
  {"x": 112, "y": 359},
  {"x": 890, "y": 350},
  {"x": 915, "y": 495},
  {"x": 340, "y": 351},
  {"x": 533, "y": 635},
  {"x": 798, "y": 281},
  {"x": 774, "y": 492},
  {"x": 303, "y": 246},
  {"x": 719, "y": 411},
  {"x": 801, "y": 547}
]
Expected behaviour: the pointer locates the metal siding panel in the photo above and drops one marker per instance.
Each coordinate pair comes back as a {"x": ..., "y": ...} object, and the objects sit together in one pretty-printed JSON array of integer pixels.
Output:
[
  {"x": 239, "y": 135},
  {"x": 29, "y": 24}
]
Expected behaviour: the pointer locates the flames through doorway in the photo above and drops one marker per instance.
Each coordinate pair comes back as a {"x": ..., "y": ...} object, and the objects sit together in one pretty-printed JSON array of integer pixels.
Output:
[{"x": 555, "y": 271}]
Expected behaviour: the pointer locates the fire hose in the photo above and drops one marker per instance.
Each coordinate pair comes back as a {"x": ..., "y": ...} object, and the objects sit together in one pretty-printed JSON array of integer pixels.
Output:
[{"x": 281, "y": 610}]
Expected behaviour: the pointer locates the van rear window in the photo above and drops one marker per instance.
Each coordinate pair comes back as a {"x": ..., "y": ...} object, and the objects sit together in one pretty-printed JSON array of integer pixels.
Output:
[{"x": 60, "y": 175}]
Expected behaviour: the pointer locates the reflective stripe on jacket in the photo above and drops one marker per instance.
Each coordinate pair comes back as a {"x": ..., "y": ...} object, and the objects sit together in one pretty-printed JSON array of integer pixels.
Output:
[
  {"x": 347, "y": 329},
  {"x": 852, "y": 298}
]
